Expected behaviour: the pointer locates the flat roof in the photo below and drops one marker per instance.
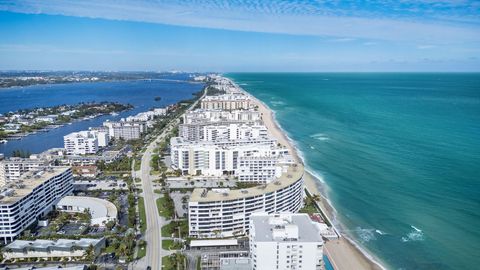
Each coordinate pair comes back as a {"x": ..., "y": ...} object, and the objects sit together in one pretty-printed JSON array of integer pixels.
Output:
[
  {"x": 213, "y": 243},
  {"x": 61, "y": 243},
  {"x": 14, "y": 192},
  {"x": 307, "y": 230},
  {"x": 293, "y": 174},
  {"x": 99, "y": 208}
]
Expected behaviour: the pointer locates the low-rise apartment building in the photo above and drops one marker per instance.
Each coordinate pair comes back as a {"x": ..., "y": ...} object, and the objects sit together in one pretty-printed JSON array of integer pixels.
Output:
[{"x": 61, "y": 248}]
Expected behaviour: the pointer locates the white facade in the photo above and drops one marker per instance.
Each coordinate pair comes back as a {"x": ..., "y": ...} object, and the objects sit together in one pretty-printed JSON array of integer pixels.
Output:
[
  {"x": 82, "y": 143},
  {"x": 61, "y": 248},
  {"x": 125, "y": 130},
  {"x": 227, "y": 102},
  {"x": 217, "y": 115},
  {"x": 11, "y": 169},
  {"x": 259, "y": 159},
  {"x": 32, "y": 196},
  {"x": 222, "y": 131},
  {"x": 226, "y": 213},
  {"x": 284, "y": 241}
]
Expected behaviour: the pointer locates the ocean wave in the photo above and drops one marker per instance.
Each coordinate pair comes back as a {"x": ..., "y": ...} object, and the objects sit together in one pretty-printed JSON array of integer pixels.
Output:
[
  {"x": 315, "y": 174},
  {"x": 320, "y": 136},
  {"x": 415, "y": 235},
  {"x": 366, "y": 235},
  {"x": 277, "y": 103},
  {"x": 380, "y": 232}
]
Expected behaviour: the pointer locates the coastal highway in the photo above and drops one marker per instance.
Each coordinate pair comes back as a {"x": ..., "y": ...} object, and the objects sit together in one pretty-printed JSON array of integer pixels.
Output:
[{"x": 154, "y": 253}]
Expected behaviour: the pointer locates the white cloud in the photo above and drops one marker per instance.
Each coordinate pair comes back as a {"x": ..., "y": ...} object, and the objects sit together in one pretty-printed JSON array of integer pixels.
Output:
[{"x": 297, "y": 18}]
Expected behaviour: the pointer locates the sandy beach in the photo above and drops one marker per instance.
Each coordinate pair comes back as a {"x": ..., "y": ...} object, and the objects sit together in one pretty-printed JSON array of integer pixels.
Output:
[{"x": 343, "y": 254}]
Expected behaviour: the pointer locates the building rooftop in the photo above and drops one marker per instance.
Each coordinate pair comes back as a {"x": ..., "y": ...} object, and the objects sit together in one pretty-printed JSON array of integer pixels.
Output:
[
  {"x": 284, "y": 227},
  {"x": 294, "y": 173},
  {"x": 44, "y": 244},
  {"x": 99, "y": 208},
  {"x": 14, "y": 192}
]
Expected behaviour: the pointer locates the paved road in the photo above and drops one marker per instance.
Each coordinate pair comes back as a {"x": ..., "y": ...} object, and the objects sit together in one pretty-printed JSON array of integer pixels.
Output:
[{"x": 154, "y": 254}]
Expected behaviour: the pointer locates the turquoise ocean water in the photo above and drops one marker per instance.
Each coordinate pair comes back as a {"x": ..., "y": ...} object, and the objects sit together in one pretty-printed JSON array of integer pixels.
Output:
[{"x": 399, "y": 155}]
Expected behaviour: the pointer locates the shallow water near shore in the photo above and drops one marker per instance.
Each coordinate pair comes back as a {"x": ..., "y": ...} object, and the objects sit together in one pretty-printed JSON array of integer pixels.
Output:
[{"x": 400, "y": 154}]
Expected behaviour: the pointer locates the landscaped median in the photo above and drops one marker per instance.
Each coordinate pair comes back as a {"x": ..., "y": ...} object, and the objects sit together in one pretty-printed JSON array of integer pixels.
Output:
[{"x": 142, "y": 215}]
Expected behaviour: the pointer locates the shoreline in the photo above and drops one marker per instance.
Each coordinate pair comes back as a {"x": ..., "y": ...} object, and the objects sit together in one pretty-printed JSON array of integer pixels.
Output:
[{"x": 344, "y": 253}]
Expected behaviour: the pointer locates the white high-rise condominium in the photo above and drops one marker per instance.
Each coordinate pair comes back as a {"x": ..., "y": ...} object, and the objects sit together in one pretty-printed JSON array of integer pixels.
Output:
[
  {"x": 12, "y": 168},
  {"x": 32, "y": 196},
  {"x": 285, "y": 241},
  {"x": 81, "y": 143}
]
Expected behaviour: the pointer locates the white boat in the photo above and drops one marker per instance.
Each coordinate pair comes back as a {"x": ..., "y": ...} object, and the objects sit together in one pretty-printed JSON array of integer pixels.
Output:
[
  {"x": 3, "y": 141},
  {"x": 114, "y": 114}
]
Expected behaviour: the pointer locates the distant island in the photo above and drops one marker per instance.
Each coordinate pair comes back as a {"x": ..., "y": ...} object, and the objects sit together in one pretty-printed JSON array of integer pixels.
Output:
[
  {"x": 26, "y": 78},
  {"x": 21, "y": 123}
]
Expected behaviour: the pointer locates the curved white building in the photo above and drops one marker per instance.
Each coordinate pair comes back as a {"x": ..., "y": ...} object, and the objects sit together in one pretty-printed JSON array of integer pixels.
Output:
[
  {"x": 102, "y": 211},
  {"x": 226, "y": 213}
]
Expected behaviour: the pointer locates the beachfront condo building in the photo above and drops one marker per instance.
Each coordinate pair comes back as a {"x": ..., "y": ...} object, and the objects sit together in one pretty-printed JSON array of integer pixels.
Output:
[
  {"x": 213, "y": 116},
  {"x": 31, "y": 197},
  {"x": 284, "y": 241},
  {"x": 250, "y": 161},
  {"x": 222, "y": 131},
  {"x": 84, "y": 142},
  {"x": 227, "y": 102},
  {"x": 225, "y": 213},
  {"x": 12, "y": 168}
]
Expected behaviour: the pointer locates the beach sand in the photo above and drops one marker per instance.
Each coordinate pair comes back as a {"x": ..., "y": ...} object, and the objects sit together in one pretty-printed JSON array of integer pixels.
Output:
[{"x": 342, "y": 253}]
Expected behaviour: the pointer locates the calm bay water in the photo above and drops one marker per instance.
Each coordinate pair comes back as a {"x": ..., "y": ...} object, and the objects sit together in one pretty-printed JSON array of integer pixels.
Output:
[
  {"x": 140, "y": 94},
  {"x": 399, "y": 155}
]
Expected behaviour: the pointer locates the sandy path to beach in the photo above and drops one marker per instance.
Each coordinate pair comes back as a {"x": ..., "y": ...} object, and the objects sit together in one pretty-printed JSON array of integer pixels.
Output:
[{"x": 343, "y": 254}]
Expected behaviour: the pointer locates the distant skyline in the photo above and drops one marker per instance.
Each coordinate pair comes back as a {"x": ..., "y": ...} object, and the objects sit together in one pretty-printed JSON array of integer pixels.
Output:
[{"x": 243, "y": 35}]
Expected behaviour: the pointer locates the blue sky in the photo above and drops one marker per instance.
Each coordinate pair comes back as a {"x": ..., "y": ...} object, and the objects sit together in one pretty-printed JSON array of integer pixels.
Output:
[{"x": 240, "y": 35}]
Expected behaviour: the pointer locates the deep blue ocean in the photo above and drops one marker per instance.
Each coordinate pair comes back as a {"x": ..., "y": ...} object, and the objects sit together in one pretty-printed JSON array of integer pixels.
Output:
[
  {"x": 141, "y": 94},
  {"x": 399, "y": 155}
]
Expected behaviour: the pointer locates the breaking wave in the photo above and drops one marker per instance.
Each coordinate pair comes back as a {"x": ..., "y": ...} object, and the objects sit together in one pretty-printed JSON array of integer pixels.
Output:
[
  {"x": 320, "y": 136},
  {"x": 366, "y": 235},
  {"x": 415, "y": 235}
]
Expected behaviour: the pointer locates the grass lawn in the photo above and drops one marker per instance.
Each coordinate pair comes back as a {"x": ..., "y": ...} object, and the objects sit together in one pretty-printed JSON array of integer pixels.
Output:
[
  {"x": 143, "y": 215},
  {"x": 171, "y": 228},
  {"x": 158, "y": 191},
  {"x": 167, "y": 263},
  {"x": 162, "y": 209},
  {"x": 169, "y": 244},
  {"x": 138, "y": 163},
  {"x": 309, "y": 209},
  {"x": 142, "y": 251},
  {"x": 167, "y": 230}
]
